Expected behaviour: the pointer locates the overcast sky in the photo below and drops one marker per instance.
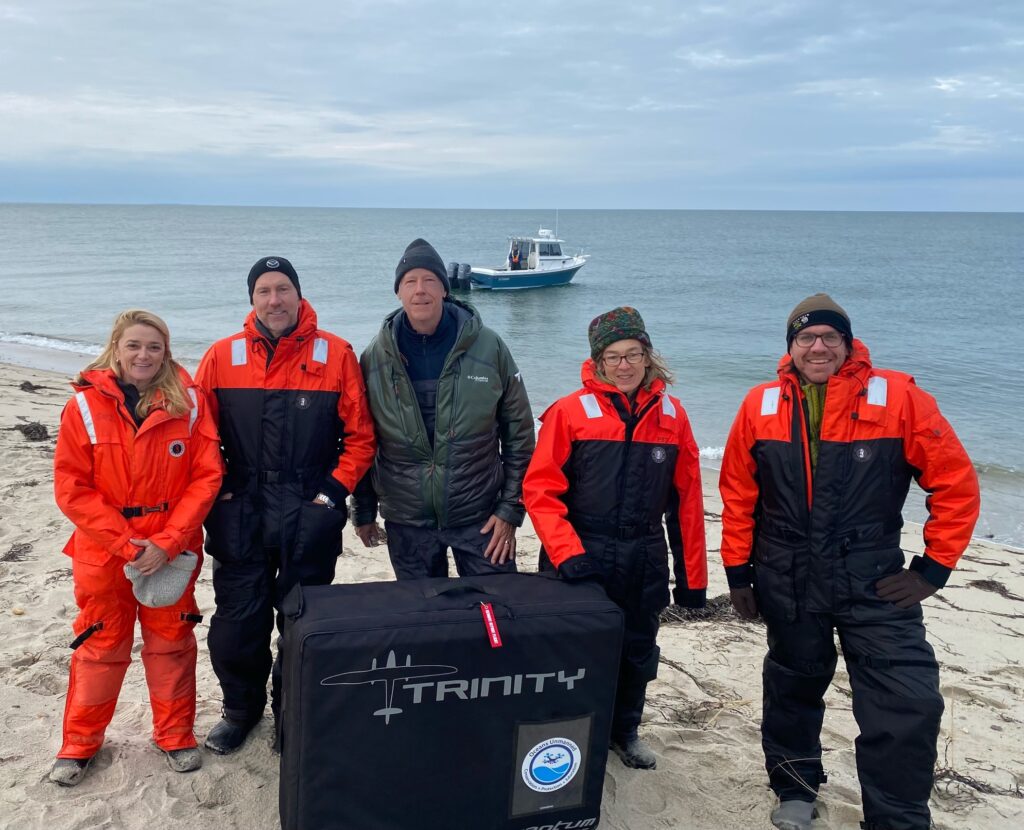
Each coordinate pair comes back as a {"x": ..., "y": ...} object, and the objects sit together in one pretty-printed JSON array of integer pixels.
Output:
[{"x": 867, "y": 105}]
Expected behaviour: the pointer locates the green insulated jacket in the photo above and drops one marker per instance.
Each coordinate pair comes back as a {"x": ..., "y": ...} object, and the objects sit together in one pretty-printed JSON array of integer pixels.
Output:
[{"x": 483, "y": 438}]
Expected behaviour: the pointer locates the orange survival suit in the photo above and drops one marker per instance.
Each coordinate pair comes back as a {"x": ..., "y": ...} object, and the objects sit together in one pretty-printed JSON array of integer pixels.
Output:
[
  {"x": 603, "y": 477},
  {"x": 813, "y": 543},
  {"x": 116, "y": 481}
]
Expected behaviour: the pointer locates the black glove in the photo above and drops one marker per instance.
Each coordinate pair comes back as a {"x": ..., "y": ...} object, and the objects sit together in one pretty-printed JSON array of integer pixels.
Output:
[
  {"x": 744, "y": 602},
  {"x": 904, "y": 589},
  {"x": 579, "y": 568}
]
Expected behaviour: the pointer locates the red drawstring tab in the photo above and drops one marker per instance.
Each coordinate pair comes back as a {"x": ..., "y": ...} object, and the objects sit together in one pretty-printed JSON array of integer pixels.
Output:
[{"x": 491, "y": 624}]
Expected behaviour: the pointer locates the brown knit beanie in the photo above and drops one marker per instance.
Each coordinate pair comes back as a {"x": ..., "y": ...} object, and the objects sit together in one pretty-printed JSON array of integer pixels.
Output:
[
  {"x": 818, "y": 310},
  {"x": 622, "y": 323}
]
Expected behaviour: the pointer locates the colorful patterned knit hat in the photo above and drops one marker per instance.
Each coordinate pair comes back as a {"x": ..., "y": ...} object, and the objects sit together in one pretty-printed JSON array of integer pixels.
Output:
[{"x": 622, "y": 323}]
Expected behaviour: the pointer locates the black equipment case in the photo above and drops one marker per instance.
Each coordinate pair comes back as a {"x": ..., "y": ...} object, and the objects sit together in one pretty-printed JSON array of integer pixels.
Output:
[{"x": 480, "y": 702}]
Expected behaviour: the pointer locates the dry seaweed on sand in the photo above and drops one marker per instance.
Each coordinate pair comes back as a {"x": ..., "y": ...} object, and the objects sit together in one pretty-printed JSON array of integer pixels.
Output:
[
  {"x": 17, "y": 553},
  {"x": 995, "y": 588},
  {"x": 717, "y": 609},
  {"x": 33, "y": 431}
]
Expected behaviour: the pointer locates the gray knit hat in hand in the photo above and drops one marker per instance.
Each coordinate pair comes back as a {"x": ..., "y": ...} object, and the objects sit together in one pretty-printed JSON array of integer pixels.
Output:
[{"x": 165, "y": 586}]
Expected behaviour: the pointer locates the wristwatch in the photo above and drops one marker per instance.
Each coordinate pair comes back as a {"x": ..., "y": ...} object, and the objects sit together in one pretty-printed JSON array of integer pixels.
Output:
[{"x": 324, "y": 499}]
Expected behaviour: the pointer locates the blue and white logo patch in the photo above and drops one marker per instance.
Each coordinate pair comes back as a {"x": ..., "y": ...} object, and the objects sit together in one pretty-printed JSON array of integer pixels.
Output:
[
  {"x": 551, "y": 764},
  {"x": 658, "y": 454},
  {"x": 176, "y": 449}
]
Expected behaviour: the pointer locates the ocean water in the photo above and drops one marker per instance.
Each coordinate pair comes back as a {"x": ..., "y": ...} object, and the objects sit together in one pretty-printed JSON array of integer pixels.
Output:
[{"x": 939, "y": 295}]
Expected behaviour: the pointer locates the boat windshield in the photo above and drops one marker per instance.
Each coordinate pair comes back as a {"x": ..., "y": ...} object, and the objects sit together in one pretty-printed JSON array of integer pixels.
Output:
[{"x": 550, "y": 249}]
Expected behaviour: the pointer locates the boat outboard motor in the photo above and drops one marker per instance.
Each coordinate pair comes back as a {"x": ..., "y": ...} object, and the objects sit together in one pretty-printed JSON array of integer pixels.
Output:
[
  {"x": 453, "y": 275},
  {"x": 464, "y": 270}
]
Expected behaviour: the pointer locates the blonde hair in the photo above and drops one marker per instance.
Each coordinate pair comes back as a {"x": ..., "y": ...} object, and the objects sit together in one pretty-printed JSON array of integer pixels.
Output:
[
  {"x": 166, "y": 386},
  {"x": 658, "y": 369}
]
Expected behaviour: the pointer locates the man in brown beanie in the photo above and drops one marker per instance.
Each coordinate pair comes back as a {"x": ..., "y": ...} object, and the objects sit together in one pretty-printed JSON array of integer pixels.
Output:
[
  {"x": 454, "y": 431},
  {"x": 815, "y": 473}
]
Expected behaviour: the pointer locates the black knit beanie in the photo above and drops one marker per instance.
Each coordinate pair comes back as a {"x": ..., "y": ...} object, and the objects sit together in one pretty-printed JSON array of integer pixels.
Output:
[
  {"x": 818, "y": 310},
  {"x": 421, "y": 254},
  {"x": 273, "y": 263}
]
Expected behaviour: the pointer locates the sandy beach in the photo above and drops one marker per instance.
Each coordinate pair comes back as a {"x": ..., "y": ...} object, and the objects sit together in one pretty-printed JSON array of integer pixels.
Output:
[{"x": 702, "y": 718}]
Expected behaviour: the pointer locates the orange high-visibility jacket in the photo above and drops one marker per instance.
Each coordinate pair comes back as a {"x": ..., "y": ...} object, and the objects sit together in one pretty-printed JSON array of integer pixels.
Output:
[
  {"x": 168, "y": 471},
  {"x": 594, "y": 463},
  {"x": 878, "y": 431},
  {"x": 298, "y": 423}
]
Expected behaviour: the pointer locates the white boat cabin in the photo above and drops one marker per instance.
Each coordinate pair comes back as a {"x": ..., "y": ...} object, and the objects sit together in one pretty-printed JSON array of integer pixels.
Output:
[{"x": 532, "y": 253}]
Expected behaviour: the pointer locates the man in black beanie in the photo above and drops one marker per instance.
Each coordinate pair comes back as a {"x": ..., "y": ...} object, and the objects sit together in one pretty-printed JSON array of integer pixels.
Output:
[
  {"x": 816, "y": 469},
  {"x": 287, "y": 395},
  {"x": 454, "y": 431}
]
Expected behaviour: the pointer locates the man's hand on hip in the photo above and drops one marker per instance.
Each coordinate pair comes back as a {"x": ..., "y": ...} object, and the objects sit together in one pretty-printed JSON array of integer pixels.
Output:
[{"x": 904, "y": 589}]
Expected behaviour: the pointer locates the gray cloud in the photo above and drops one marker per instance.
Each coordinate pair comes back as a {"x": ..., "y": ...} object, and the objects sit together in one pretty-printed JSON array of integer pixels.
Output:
[{"x": 624, "y": 105}]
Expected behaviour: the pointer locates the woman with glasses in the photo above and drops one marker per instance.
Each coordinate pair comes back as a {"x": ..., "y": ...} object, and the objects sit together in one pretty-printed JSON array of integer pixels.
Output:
[{"x": 616, "y": 466}]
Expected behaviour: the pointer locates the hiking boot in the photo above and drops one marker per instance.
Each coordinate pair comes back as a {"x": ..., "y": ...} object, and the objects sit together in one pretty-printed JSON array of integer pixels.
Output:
[
  {"x": 228, "y": 735},
  {"x": 68, "y": 772},
  {"x": 635, "y": 753},
  {"x": 794, "y": 815},
  {"x": 184, "y": 760}
]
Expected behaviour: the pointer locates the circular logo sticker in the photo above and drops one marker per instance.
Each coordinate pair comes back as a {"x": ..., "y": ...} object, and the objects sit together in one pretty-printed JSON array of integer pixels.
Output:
[
  {"x": 658, "y": 454},
  {"x": 551, "y": 764},
  {"x": 861, "y": 452},
  {"x": 176, "y": 449},
  {"x": 302, "y": 402}
]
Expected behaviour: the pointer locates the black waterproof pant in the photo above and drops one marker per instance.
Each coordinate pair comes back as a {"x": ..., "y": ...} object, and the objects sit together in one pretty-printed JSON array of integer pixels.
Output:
[
  {"x": 248, "y": 593},
  {"x": 894, "y": 680},
  {"x": 418, "y": 552},
  {"x": 635, "y": 573}
]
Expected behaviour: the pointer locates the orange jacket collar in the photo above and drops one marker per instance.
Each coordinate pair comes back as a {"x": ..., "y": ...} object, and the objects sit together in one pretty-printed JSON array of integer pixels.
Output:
[{"x": 305, "y": 327}]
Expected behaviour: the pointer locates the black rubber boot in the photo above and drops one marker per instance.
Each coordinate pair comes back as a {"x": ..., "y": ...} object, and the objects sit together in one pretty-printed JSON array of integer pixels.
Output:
[{"x": 228, "y": 735}]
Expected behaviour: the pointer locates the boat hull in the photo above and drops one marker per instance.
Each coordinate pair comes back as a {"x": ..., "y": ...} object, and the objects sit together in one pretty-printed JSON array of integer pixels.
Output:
[{"x": 486, "y": 278}]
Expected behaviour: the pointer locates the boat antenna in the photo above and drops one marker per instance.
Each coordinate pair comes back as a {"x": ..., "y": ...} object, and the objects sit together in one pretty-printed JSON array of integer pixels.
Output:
[{"x": 556, "y": 223}]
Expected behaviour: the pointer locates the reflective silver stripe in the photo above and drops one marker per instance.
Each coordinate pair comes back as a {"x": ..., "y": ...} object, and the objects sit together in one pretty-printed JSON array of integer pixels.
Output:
[
  {"x": 238, "y": 352},
  {"x": 591, "y": 406},
  {"x": 86, "y": 413},
  {"x": 320, "y": 350},
  {"x": 194, "y": 413},
  {"x": 770, "y": 401},
  {"x": 878, "y": 390},
  {"x": 667, "y": 407}
]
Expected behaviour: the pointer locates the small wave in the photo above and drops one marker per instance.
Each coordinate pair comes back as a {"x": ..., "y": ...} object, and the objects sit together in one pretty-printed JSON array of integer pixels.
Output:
[
  {"x": 41, "y": 342},
  {"x": 712, "y": 453},
  {"x": 998, "y": 470}
]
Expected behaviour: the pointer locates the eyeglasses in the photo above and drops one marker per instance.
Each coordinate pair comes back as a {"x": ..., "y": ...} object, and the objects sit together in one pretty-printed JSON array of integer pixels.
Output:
[
  {"x": 830, "y": 338},
  {"x": 613, "y": 360}
]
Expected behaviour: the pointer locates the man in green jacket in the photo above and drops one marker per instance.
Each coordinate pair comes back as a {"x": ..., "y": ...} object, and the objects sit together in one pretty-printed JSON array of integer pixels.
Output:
[{"x": 454, "y": 431}]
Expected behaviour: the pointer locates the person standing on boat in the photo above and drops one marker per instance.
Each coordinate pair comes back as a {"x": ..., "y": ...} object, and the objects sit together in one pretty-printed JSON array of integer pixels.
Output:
[
  {"x": 614, "y": 461},
  {"x": 514, "y": 258},
  {"x": 816, "y": 469},
  {"x": 296, "y": 436},
  {"x": 454, "y": 431}
]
